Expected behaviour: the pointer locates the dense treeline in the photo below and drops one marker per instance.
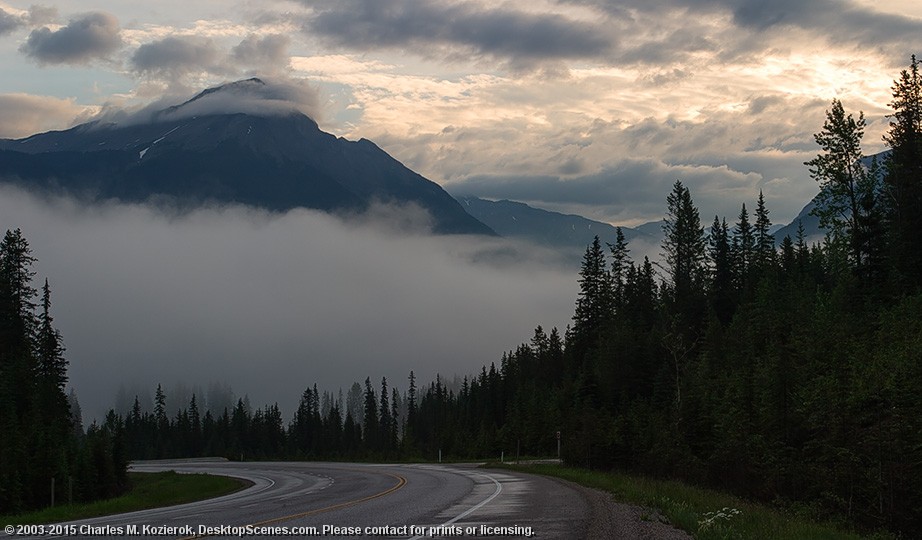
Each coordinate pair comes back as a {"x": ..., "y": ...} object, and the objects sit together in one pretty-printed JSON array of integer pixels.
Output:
[
  {"x": 780, "y": 371},
  {"x": 43, "y": 446}
]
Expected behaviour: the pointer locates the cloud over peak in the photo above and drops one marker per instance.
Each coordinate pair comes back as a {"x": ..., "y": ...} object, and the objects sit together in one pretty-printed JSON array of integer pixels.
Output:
[
  {"x": 254, "y": 96},
  {"x": 267, "y": 53},
  {"x": 174, "y": 56}
]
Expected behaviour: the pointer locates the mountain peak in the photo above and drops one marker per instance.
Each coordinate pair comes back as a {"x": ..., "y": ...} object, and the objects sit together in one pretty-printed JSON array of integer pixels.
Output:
[
  {"x": 247, "y": 142},
  {"x": 245, "y": 86},
  {"x": 252, "y": 96}
]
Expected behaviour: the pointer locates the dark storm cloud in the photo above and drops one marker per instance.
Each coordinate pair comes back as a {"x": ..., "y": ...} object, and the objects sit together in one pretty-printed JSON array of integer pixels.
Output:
[
  {"x": 839, "y": 21},
  {"x": 490, "y": 32},
  {"x": 87, "y": 37},
  {"x": 9, "y": 22},
  {"x": 175, "y": 56},
  {"x": 270, "y": 304}
]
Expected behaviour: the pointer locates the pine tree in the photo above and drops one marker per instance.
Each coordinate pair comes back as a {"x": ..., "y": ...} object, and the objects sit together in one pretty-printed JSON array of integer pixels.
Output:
[
  {"x": 384, "y": 418},
  {"x": 594, "y": 304},
  {"x": 619, "y": 264},
  {"x": 743, "y": 248},
  {"x": 371, "y": 429},
  {"x": 51, "y": 376},
  {"x": 802, "y": 251},
  {"x": 411, "y": 402},
  {"x": 848, "y": 200},
  {"x": 788, "y": 257},
  {"x": 684, "y": 244},
  {"x": 76, "y": 415},
  {"x": 17, "y": 372},
  {"x": 16, "y": 273},
  {"x": 903, "y": 178},
  {"x": 684, "y": 251},
  {"x": 764, "y": 239},
  {"x": 240, "y": 430},
  {"x": 395, "y": 419},
  {"x": 52, "y": 366},
  {"x": 299, "y": 431},
  {"x": 17, "y": 323},
  {"x": 721, "y": 270},
  {"x": 195, "y": 428}
]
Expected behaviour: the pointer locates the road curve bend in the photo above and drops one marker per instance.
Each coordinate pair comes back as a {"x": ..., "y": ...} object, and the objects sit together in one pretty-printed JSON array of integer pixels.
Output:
[{"x": 348, "y": 500}]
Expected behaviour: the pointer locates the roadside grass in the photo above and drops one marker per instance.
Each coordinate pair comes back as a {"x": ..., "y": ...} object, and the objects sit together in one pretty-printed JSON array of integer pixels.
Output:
[
  {"x": 148, "y": 490},
  {"x": 705, "y": 514}
]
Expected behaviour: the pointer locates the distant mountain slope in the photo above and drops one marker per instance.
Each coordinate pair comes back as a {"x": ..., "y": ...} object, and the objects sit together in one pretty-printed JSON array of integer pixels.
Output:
[
  {"x": 278, "y": 160},
  {"x": 563, "y": 232},
  {"x": 811, "y": 224},
  {"x": 653, "y": 229}
]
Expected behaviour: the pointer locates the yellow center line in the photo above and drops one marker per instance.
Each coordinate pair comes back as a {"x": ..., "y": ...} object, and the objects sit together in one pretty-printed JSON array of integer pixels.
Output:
[{"x": 401, "y": 481}]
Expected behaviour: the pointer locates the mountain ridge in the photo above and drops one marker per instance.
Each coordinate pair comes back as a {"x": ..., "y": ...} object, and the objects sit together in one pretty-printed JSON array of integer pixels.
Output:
[
  {"x": 568, "y": 234},
  {"x": 278, "y": 161}
]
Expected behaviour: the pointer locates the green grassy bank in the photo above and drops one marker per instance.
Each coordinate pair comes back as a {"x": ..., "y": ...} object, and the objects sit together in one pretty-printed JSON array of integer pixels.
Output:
[
  {"x": 704, "y": 513},
  {"x": 148, "y": 490}
]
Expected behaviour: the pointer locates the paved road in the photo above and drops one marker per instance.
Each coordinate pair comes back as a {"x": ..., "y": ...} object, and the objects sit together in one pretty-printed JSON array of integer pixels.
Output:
[{"x": 365, "y": 501}]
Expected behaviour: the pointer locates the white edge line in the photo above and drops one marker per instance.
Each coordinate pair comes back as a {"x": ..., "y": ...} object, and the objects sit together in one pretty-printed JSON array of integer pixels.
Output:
[{"x": 471, "y": 510}]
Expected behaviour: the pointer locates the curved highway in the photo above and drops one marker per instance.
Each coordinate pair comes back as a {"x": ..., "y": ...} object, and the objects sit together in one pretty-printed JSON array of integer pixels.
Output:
[{"x": 345, "y": 500}]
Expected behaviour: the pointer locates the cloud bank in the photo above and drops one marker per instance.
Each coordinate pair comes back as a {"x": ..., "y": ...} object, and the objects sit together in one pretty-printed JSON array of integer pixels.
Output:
[
  {"x": 178, "y": 59},
  {"x": 87, "y": 37},
  {"x": 269, "y": 304},
  {"x": 418, "y": 25},
  {"x": 22, "y": 115},
  {"x": 175, "y": 56}
]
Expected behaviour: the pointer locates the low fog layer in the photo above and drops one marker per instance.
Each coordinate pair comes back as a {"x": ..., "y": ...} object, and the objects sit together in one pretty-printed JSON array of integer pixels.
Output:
[{"x": 269, "y": 304}]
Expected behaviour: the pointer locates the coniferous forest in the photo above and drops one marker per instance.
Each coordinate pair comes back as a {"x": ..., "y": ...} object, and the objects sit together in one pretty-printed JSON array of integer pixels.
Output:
[
  {"x": 777, "y": 370},
  {"x": 45, "y": 455}
]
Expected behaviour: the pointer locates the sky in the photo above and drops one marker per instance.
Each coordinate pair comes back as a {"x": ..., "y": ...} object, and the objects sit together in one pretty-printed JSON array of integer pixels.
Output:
[
  {"x": 586, "y": 106},
  {"x": 582, "y": 106}
]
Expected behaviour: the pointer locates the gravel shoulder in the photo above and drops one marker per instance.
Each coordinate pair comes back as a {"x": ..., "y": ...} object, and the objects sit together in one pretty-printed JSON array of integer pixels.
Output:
[{"x": 611, "y": 519}]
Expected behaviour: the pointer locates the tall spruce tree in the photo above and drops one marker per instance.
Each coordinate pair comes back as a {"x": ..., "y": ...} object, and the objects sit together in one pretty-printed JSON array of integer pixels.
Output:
[
  {"x": 384, "y": 416},
  {"x": 721, "y": 290},
  {"x": 51, "y": 376},
  {"x": 371, "y": 429},
  {"x": 684, "y": 251},
  {"x": 594, "y": 304},
  {"x": 619, "y": 263},
  {"x": 903, "y": 178},
  {"x": 17, "y": 370},
  {"x": 412, "y": 404},
  {"x": 743, "y": 248},
  {"x": 764, "y": 239}
]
